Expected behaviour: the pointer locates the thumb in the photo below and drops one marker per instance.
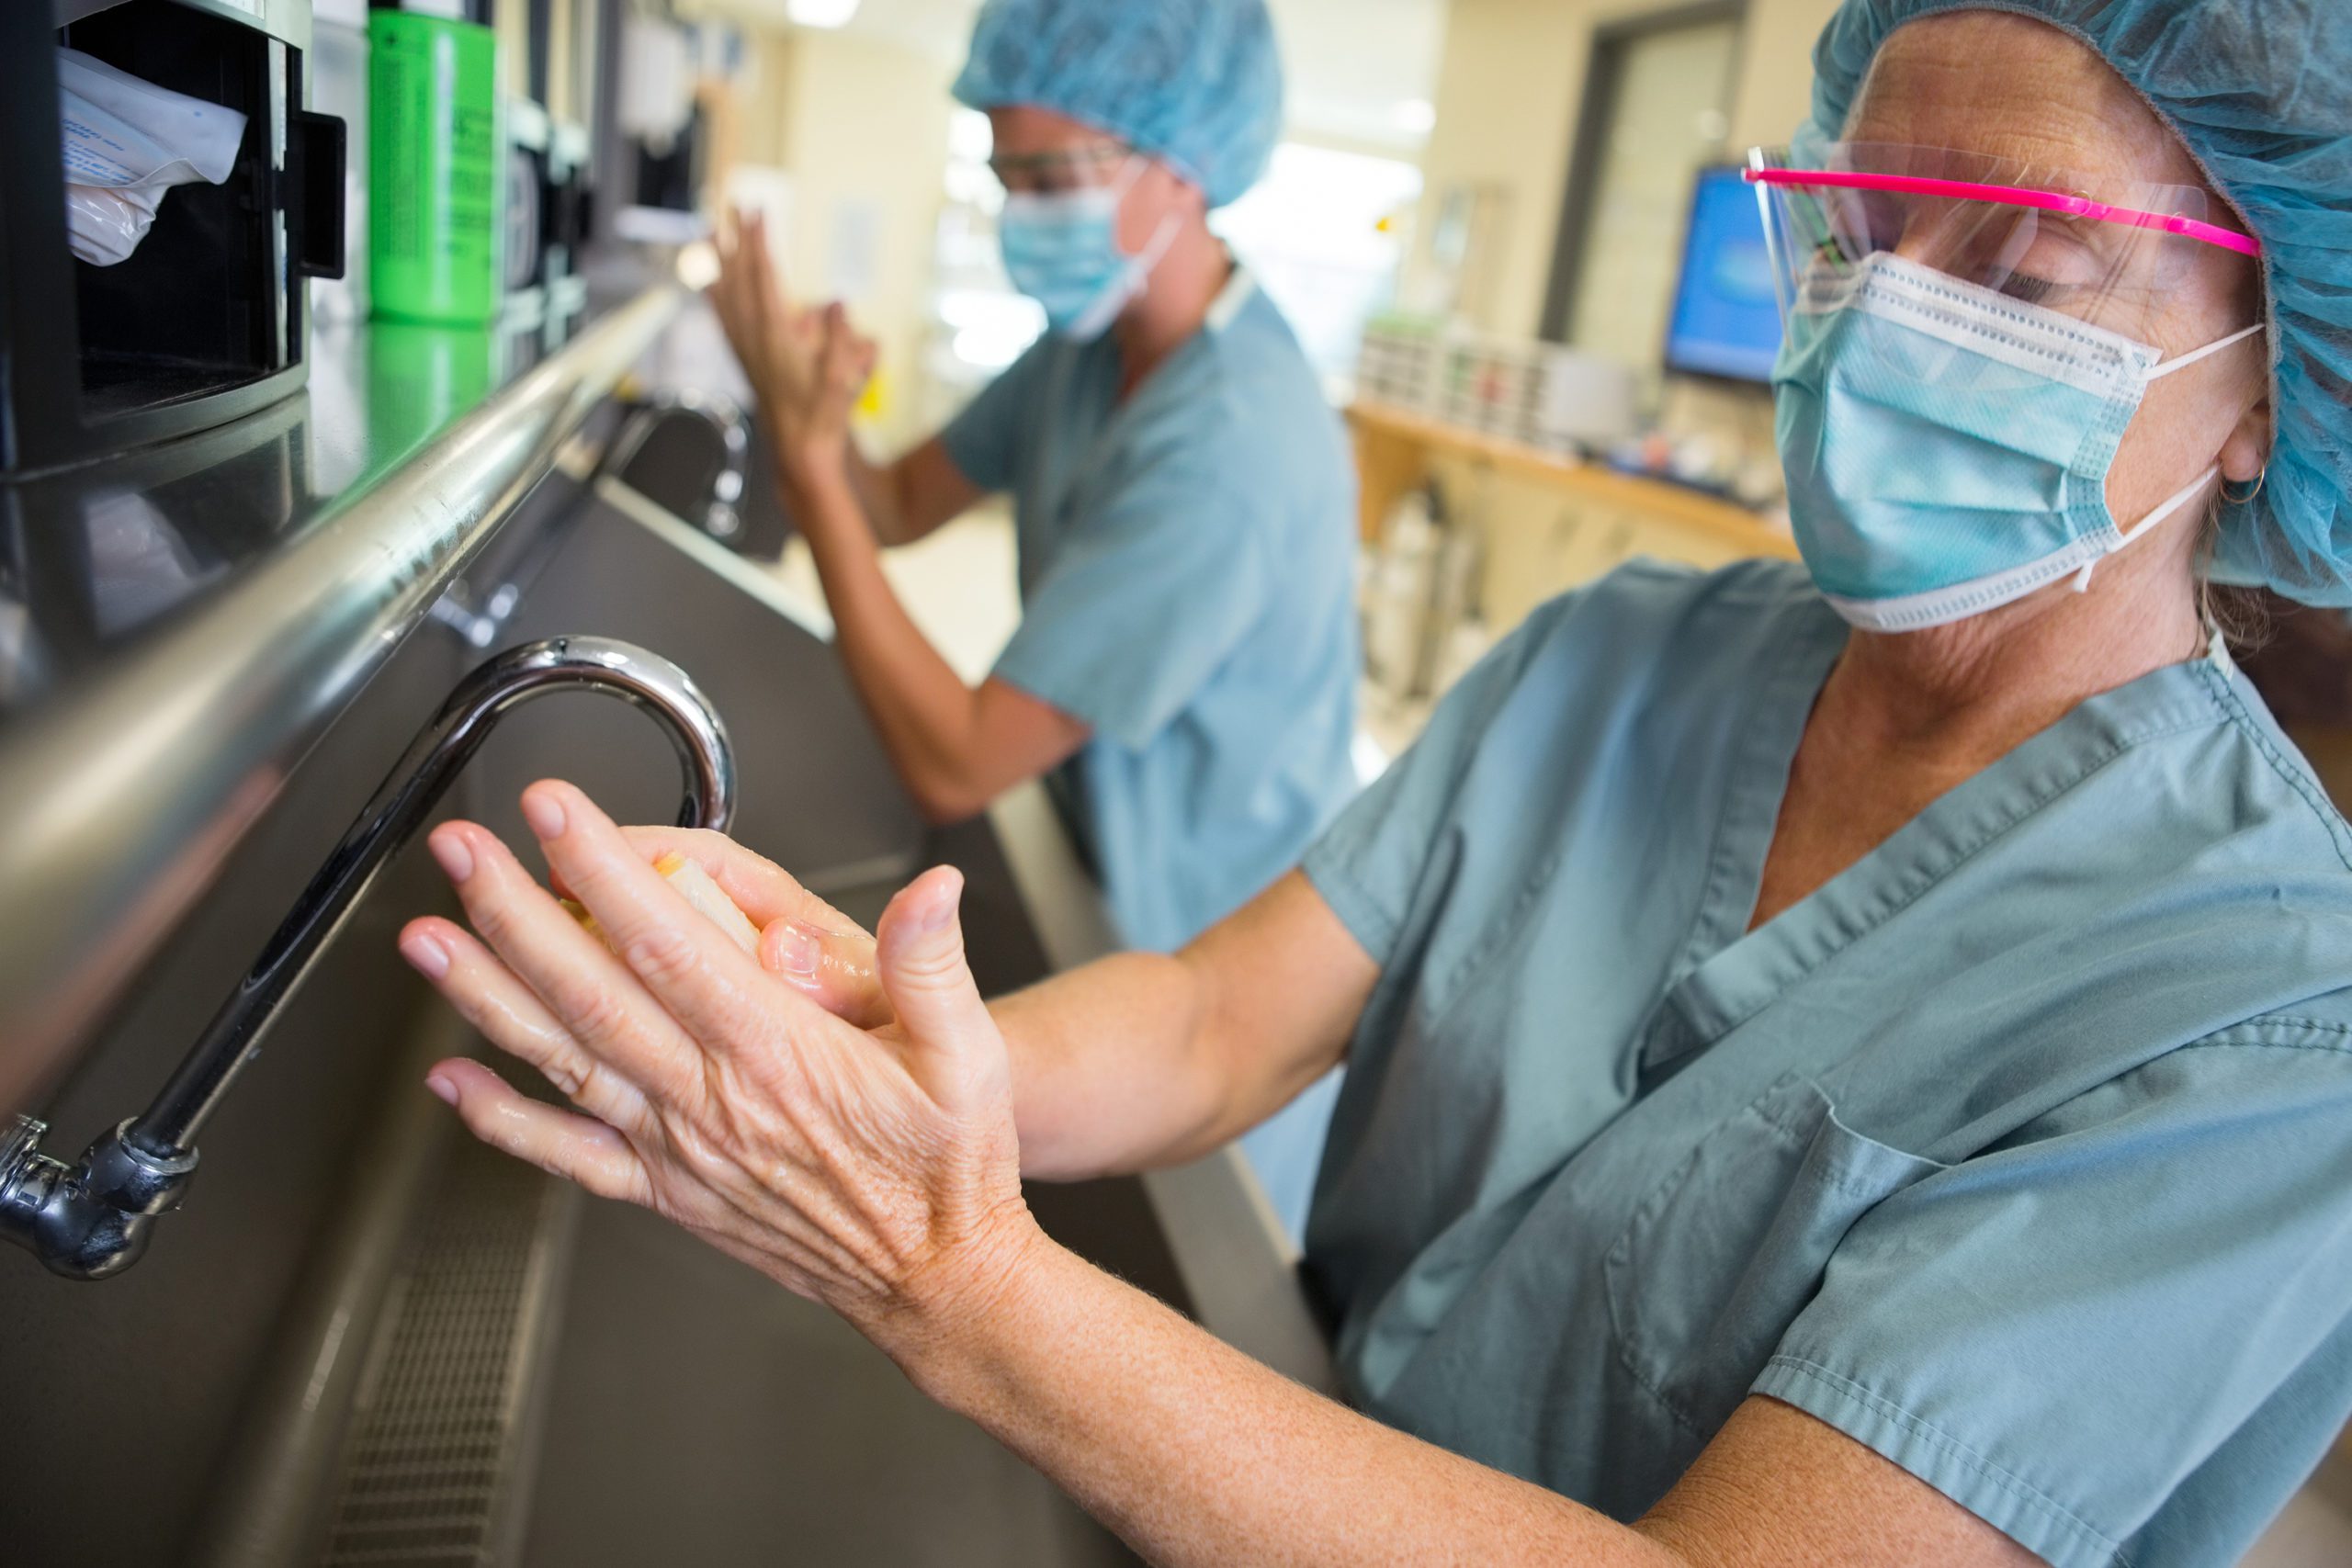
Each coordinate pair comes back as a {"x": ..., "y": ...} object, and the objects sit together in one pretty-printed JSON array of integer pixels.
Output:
[
  {"x": 835, "y": 968},
  {"x": 954, "y": 1049},
  {"x": 838, "y": 366}
]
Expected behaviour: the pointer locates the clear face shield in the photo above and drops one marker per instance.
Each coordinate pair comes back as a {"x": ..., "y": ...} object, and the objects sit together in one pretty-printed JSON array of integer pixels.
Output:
[
  {"x": 2103, "y": 255},
  {"x": 1966, "y": 341}
]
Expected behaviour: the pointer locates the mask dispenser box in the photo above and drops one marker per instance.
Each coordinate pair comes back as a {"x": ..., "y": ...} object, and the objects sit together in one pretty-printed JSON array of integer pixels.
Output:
[{"x": 206, "y": 318}]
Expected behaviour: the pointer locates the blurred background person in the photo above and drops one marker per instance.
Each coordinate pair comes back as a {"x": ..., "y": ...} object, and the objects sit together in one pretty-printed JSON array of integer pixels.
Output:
[{"x": 1184, "y": 671}]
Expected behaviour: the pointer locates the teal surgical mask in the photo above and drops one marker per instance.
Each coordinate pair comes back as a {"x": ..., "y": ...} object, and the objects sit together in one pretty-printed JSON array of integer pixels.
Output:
[
  {"x": 1947, "y": 446},
  {"x": 1061, "y": 248}
]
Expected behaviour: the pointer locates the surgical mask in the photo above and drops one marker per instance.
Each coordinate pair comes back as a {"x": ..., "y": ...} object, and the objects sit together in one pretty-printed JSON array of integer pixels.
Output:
[
  {"x": 1061, "y": 248},
  {"x": 1947, "y": 446}
]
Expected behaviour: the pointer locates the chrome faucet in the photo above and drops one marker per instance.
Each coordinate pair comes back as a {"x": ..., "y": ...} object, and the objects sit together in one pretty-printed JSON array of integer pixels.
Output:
[
  {"x": 92, "y": 1220},
  {"x": 722, "y": 517}
]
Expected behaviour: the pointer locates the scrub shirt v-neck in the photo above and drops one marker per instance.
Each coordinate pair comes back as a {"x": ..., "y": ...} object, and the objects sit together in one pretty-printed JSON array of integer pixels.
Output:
[
  {"x": 1187, "y": 584},
  {"x": 2021, "y": 1152}
]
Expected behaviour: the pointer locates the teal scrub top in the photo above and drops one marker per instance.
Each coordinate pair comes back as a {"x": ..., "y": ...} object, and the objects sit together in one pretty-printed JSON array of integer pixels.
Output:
[
  {"x": 2021, "y": 1152},
  {"x": 1187, "y": 566}
]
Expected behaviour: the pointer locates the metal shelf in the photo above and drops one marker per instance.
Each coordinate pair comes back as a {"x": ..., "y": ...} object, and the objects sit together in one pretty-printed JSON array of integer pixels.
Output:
[{"x": 125, "y": 791}]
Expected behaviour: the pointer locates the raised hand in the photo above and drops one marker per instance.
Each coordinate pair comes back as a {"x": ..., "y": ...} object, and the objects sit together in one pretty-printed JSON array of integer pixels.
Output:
[{"x": 807, "y": 365}]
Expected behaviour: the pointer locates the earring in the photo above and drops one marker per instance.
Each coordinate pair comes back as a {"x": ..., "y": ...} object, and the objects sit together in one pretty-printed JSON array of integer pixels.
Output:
[{"x": 2247, "y": 499}]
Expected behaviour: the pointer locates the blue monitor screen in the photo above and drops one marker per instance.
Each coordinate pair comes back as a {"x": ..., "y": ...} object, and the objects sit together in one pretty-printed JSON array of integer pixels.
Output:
[{"x": 1726, "y": 321}]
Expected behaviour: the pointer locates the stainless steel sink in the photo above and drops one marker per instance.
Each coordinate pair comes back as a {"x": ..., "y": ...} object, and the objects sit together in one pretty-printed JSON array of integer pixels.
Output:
[
  {"x": 700, "y": 457},
  {"x": 699, "y": 1414},
  {"x": 675, "y": 1405},
  {"x": 369, "y": 1340}
]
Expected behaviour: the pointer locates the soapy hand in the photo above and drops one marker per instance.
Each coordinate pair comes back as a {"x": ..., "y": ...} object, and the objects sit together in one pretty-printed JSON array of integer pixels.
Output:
[
  {"x": 875, "y": 1170},
  {"x": 806, "y": 364},
  {"x": 803, "y": 940}
]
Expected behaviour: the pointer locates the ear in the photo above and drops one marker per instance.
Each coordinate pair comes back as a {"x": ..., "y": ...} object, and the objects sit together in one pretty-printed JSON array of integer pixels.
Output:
[
  {"x": 2247, "y": 450},
  {"x": 1183, "y": 195},
  {"x": 1161, "y": 191}
]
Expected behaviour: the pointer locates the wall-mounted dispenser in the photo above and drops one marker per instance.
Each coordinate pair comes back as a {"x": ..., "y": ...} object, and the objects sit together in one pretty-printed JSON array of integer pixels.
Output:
[{"x": 207, "y": 319}]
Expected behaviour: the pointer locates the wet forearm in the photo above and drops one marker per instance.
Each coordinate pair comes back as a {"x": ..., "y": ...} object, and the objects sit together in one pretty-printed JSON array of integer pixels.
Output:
[
  {"x": 877, "y": 491},
  {"x": 920, "y": 707},
  {"x": 1197, "y": 1455},
  {"x": 1111, "y": 1069},
  {"x": 1146, "y": 1060}
]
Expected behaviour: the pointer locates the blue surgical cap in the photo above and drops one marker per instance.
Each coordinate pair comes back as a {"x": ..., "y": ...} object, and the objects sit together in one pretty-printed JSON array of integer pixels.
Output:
[
  {"x": 1194, "y": 83},
  {"x": 2261, "y": 92}
]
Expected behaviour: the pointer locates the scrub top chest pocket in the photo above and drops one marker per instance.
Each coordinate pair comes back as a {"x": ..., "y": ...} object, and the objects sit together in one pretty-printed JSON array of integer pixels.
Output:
[{"x": 1725, "y": 1251}]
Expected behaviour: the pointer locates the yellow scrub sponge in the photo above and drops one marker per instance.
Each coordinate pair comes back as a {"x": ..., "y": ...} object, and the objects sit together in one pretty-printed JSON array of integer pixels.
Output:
[{"x": 700, "y": 890}]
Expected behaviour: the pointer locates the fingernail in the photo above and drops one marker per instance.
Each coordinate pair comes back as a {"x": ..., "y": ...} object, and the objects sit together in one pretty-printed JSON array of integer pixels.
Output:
[
  {"x": 543, "y": 813},
  {"x": 455, "y": 857},
  {"x": 796, "y": 950},
  {"x": 943, "y": 908},
  {"x": 446, "y": 1092},
  {"x": 426, "y": 957}
]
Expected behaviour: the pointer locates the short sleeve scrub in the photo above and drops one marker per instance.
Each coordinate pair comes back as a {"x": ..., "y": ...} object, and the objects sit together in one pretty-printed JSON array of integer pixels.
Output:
[{"x": 2021, "y": 1152}]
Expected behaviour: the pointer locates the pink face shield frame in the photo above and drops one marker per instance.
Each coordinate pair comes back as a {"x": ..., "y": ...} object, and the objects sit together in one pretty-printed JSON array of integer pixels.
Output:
[{"x": 2012, "y": 195}]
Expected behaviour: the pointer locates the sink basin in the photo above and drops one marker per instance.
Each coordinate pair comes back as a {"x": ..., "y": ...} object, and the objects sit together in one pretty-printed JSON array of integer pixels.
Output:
[
  {"x": 689, "y": 1410},
  {"x": 369, "y": 1340},
  {"x": 677, "y": 457},
  {"x": 364, "y": 1338},
  {"x": 699, "y": 1414}
]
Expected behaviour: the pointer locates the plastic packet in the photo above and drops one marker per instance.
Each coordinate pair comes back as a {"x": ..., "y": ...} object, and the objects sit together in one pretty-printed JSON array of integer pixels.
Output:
[{"x": 127, "y": 141}]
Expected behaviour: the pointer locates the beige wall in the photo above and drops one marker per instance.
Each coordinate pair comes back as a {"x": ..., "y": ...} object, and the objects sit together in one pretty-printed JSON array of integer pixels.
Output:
[
  {"x": 860, "y": 128},
  {"x": 1774, "y": 90},
  {"x": 1506, "y": 109},
  {"x": 868, "y": 130},
  {"x": 1507, "y": 93}
]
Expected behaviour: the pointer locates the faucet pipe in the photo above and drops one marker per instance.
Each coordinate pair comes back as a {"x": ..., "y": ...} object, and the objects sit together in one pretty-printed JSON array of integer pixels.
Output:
[{"x": 93, "y": 1220}]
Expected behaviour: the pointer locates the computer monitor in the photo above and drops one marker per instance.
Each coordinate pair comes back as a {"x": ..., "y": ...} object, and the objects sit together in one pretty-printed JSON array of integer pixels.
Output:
[{"x": 1727, "y": 319}]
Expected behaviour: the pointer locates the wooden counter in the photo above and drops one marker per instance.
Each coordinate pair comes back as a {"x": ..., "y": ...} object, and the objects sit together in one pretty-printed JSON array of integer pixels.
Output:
[
  {"x": 1546, "y": 523},
  {"x": 1394, "y": 446}
]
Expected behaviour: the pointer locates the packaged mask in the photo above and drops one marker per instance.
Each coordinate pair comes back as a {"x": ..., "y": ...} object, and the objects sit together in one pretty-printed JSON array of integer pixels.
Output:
[{"x": 128, "y": 141}]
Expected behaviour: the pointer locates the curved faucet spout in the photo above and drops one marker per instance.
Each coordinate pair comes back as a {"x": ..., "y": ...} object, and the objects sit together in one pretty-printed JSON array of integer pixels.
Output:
[{"x": 91, "y": 1220}]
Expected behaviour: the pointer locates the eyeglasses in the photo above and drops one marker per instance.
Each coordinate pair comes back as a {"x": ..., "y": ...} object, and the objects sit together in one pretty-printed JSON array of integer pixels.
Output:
[
  {"x": 2011, "y": 196},
  {"x": 2125, "y": 262},
  {"x": 2122, "y": 259},
  {"x": 1066, "y": 169}
]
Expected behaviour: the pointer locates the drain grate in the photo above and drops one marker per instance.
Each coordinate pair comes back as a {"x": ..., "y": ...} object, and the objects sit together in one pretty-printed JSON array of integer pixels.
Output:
[{"x": 437, "y": 1446}]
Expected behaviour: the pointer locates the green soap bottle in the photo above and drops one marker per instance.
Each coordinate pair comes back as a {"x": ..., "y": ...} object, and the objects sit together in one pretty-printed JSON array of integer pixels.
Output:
[{"x": 432, "y": 168}]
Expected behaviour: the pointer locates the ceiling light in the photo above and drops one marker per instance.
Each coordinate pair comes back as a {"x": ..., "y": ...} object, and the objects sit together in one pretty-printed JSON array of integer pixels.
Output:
[
  {"x": 1417, "y": 115},
  {"x": 820, "y": 13}
]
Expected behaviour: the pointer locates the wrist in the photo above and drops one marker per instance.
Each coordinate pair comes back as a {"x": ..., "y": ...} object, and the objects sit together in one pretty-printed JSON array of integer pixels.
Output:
[
  {"x": 807, "y": 457},
  {"x": 816, "y": 482},
  {"x": 965, "y": 1305}
]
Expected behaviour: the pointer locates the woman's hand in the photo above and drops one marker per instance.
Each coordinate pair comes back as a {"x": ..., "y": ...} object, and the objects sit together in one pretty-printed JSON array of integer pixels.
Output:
[
  {"x": 804, "y": 942},
  {"x": 807, "y": 366},
  {"x": 875, "y": 1171}
]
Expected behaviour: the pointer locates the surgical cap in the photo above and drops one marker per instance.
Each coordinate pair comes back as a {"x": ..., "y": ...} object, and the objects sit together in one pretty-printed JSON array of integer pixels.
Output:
[
  {"x": 2261, "y": 92},
  {"x": 1194, "y": 82}
]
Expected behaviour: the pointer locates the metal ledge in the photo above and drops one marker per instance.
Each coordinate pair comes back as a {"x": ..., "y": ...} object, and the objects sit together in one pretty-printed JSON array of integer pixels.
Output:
[{"x": 118, "y": 805}]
